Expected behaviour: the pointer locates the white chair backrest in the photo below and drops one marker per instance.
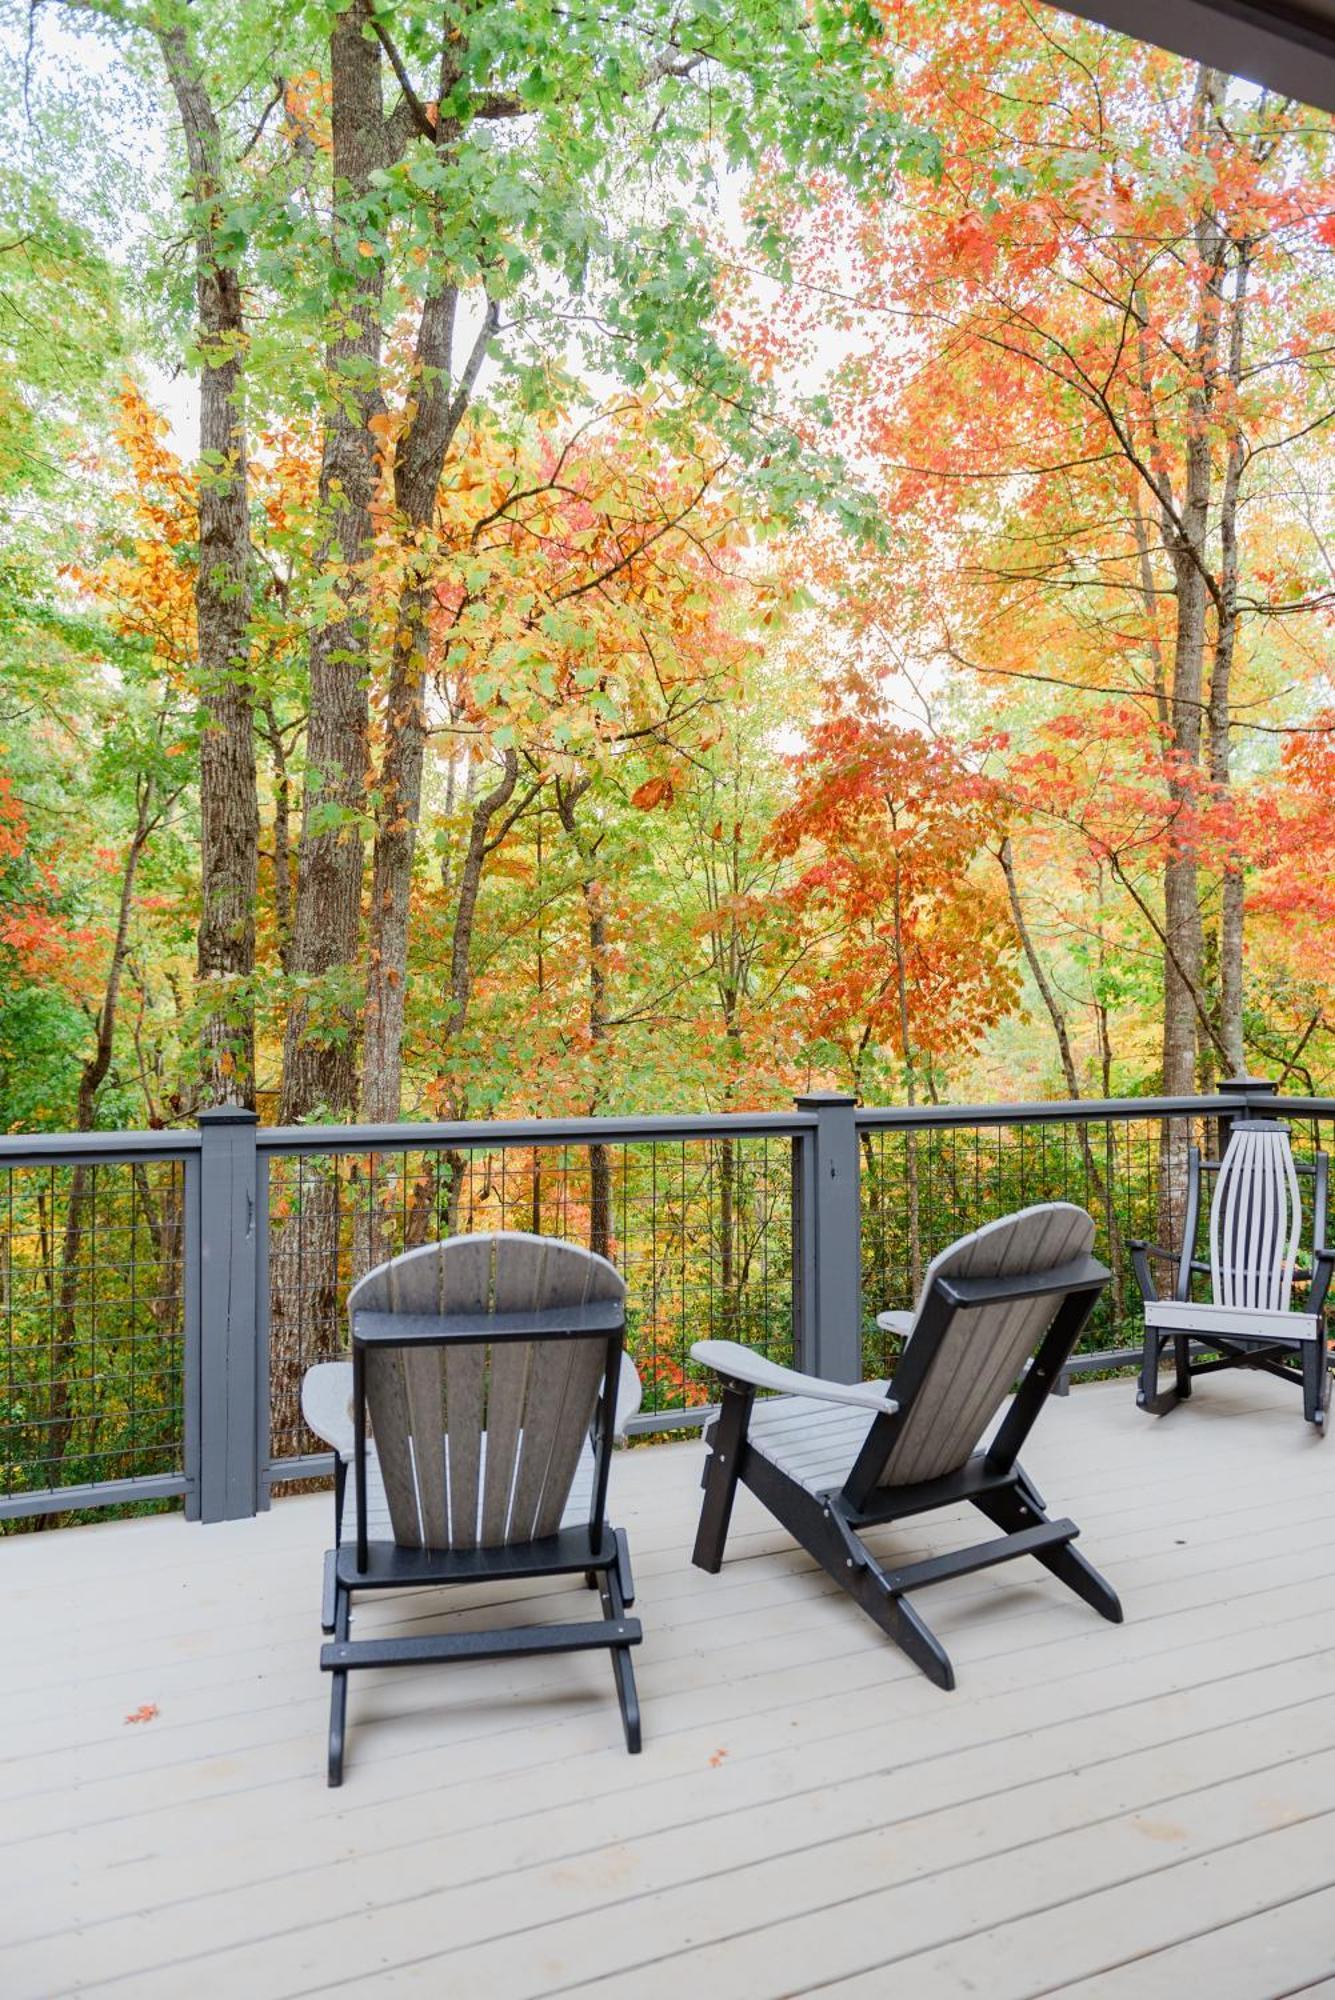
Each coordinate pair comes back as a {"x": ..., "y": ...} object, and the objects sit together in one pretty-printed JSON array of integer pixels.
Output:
[
  {"x": 479, "y": 1441},
  {"x": 983, "y": 1350},
  {"x": 1255, "y": 1220}
]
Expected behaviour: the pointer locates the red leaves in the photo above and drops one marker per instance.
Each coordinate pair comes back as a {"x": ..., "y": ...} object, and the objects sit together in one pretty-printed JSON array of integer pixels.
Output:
[{"x": 147, "y": 1711}]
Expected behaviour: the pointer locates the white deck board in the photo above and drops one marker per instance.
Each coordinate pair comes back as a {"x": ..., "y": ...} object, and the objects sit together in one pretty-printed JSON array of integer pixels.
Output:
[{"x": 1097, "y": 1810}]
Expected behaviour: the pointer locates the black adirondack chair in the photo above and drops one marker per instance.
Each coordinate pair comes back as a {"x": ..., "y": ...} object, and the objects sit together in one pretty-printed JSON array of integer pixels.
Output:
[
  {"x": 1254, "y": 1232},
  {"x": 831, "y": 1460},
  {"x": 487, "y": 1382}
]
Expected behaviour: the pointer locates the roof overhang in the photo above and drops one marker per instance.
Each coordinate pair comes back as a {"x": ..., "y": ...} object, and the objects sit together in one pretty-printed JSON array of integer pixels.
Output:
[{"x": 1289, "y": 49}]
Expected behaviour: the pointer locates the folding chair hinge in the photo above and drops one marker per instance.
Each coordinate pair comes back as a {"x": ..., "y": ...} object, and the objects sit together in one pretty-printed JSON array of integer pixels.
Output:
[{"x": 855, "y": 1557}]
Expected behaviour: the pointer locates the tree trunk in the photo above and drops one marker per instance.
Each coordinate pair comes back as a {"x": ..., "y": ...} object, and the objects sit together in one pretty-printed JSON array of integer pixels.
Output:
[
  {"x": 1056, "y": 1014},
  {"x": 282, "y": 841},
  {"x": 320, "y": 1046},
  {"x": 419, "y": 462},
  {"x": 1185, "y": 537},
  {"x": 914, "y": 1203},
  {"x": 229, "y": 808},
  {"x": 1232, "y": 884},
  {"x": 595, "y": 917}
]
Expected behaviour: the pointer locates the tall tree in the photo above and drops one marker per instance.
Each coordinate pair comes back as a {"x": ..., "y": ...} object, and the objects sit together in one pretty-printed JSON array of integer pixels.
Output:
[{"x": 229, "y": 806}]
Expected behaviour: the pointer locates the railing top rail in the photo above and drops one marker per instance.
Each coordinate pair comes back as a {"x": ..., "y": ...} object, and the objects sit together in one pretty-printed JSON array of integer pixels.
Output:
[
  {"x": 55, "y": 1149},
  {"x": 1304, "y": 1107},
  {"x": 125, "y": 1148},
  {"x": 1089, "y": 1110},
  {"x": 413, "y": 1138}
]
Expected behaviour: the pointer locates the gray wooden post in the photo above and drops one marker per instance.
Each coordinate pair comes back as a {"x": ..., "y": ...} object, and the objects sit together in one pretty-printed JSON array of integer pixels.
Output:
[
  {"x": 828, "y": 1242},
  {"x": 229, "y": 1374}
]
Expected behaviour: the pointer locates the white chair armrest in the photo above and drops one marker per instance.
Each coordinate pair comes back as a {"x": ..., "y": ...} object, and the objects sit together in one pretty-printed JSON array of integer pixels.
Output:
[
  {"x": 630, "y": 1394},
  {"x": 898, "y": 1323},
  {"x": 741, "y": 1364},
  {"x": 326, "y": 1404}
]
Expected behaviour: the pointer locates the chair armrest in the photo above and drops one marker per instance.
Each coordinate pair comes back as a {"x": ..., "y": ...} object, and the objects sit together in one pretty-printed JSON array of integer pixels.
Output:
[
  {"x": 900, "y": 1324},
  {"x": 326, "y": 1404},
  {"x": 1141, "y": 1252},
  {"x": 630, "y": 1394},
  {"x": 1323, "y": 1265},
  {"x": 739, "y": 1364}
]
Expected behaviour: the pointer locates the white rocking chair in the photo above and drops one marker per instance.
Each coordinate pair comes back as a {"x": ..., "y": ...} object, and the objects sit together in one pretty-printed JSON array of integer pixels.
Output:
[{"x": 1254, "y": 1232}]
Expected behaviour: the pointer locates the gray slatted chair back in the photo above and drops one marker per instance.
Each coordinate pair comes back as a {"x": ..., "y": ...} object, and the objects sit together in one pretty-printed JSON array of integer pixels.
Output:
[
  {"x": 479, "y": 1441},
  {"x": 982, "y": 1352},
  {"x": 1255, "y": 1220}
]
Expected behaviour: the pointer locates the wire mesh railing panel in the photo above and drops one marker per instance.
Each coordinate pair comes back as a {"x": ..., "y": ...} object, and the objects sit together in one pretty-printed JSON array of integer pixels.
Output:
[
  {"x": 701, "y": 1229},
  {"x": 92, "y": 1324},
  {"x": 922, "y": 1189}
]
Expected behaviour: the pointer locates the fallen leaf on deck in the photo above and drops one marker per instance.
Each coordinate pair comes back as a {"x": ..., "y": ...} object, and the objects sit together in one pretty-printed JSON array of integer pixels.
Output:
[{"x": 145, "y": 1712}]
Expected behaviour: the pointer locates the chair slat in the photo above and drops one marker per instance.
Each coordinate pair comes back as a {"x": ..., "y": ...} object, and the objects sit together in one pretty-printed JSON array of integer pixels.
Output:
[
  {"x": 505, "y": 1414},
  {"x": 584, "y": 1376},
  {"x": 387, "y": 1401},
  {"x": 465, "y": 1372},
  {"x": 424, "y": 1383},
  {"x": 542, "y": 1414}
]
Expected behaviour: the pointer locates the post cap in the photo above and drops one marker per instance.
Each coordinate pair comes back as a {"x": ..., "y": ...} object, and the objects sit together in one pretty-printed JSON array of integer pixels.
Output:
[
  {"x": 823, "y": 1100},
  {"x": 1251, "y": 1086},
  {"x": 228, "y": 1114}
]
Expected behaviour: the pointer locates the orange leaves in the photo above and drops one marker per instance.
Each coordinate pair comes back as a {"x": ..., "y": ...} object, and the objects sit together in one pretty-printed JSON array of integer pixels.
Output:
[
  {"x": 970, "y": 244},
  {"x": 653, "y": 792},
  {"x": 147, "y": 1711}
]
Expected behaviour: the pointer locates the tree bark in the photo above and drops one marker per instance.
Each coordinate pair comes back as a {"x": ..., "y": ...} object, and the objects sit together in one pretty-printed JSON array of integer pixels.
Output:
[
  {"x": 595, "y": 918},
  {"x": 1232, "y": 883},
  {"x": 320, "y": 1046},
  {"x": 229, "y": 807},
  {"x": 419, "y": 461},
  {"x": 1056, "y": 1014},
  {"x": 1185, "y": 539},
  {"x": 910, "y": 1080}
]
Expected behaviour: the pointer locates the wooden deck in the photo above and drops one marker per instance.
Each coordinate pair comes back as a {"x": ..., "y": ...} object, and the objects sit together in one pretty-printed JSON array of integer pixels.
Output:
[{"x": 1098, "y": 1811}]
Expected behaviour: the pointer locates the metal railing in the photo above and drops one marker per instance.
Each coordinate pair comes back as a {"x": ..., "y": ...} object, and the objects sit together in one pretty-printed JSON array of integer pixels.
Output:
[{"x": 162, "y": 1293}]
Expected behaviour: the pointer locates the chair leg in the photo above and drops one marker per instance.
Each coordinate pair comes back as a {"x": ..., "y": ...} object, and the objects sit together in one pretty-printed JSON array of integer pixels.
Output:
[
  {"x": 900, "y": 1622},
  {"x": 1012, "y": 1509},
  {"x": 1154, "y": 1401},
  {"x": 1316, "y": 1384},
  {"x": 1182, "y": 1365},
  {"x": 614, "y": 1606},
  {"x": 721, "y": 1475},
  {"x": 843, "y": 1555},
  {"x": 338, "y": 1690},
  {"x": 329, "y": 1598},
  {"x": 624, "y": 1572},
  {"x": 340, "y": 1493}
]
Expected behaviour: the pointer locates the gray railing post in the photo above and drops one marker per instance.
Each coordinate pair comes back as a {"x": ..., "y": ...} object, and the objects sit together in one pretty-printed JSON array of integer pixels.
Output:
[
  {"x": 827, "y": 1283},
  {"x": 229, "y": 1374},
  {"x": 1258, "y": 1094}
]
